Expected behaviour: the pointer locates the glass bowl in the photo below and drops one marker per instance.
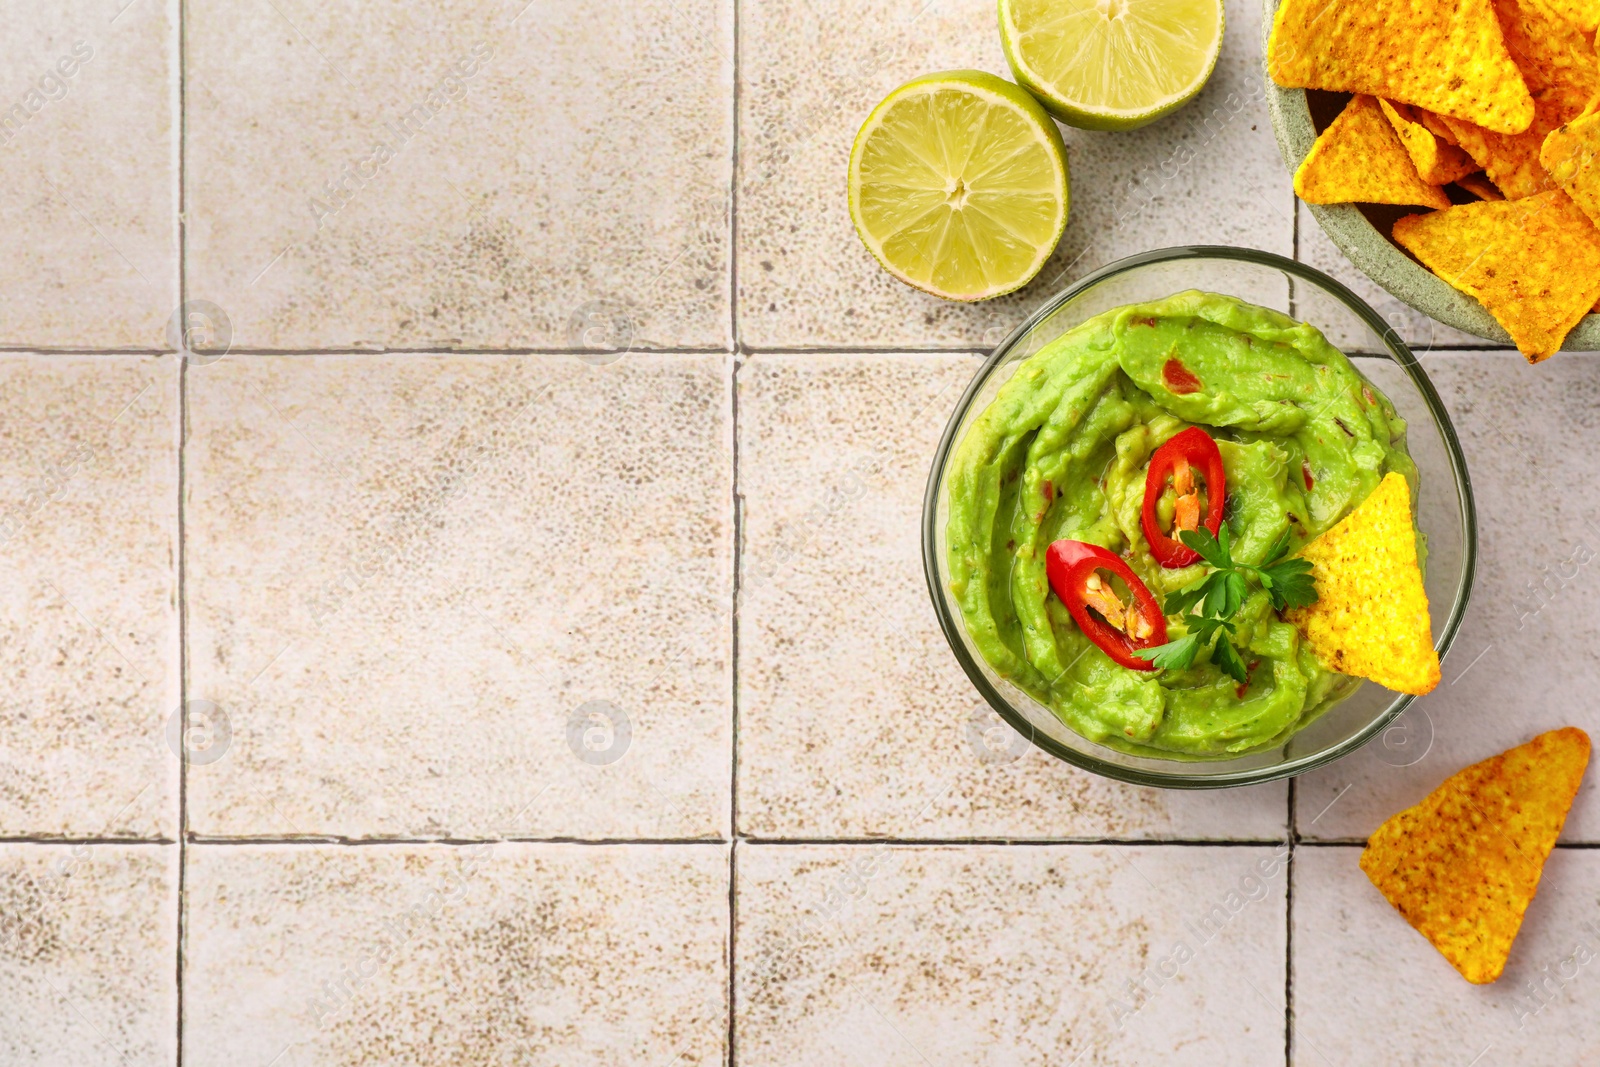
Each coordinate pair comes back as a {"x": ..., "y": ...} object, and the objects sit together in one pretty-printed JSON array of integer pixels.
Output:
[{"x": 1445, "y": 511}]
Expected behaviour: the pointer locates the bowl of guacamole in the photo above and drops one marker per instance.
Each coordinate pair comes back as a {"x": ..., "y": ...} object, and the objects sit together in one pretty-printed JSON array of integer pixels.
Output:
[{"x": 1226, "y": 391}]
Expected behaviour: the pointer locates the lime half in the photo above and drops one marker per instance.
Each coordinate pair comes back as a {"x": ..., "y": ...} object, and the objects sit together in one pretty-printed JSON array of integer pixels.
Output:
[
  {"x": 1111, "y": 64},
  {"x": 958, "y": 184}
]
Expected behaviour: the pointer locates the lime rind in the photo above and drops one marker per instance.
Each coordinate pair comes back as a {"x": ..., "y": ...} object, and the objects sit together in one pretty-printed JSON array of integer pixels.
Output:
[
  {"x": 959, "y": 185},
  {"x": 1111, "y": 64}
]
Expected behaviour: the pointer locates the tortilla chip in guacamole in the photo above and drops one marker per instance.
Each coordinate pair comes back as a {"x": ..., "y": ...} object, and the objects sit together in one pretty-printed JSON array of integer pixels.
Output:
[
  {"x": 1359, "y": 158},
  {"x": 1534, "y": 263},
  {"x": 1449, "y": 56},
  {"x": 1371, "y": 616},
  {"x": 1462, "y": 866}
]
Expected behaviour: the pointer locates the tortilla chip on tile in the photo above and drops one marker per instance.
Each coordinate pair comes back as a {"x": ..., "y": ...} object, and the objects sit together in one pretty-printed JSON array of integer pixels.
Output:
[
  {"x": 1534, "y": 263},
  {"x": 1359, "y": 158},
  {"x": 1448, "y": 56},
  {"x": 1462, "y": 866}
]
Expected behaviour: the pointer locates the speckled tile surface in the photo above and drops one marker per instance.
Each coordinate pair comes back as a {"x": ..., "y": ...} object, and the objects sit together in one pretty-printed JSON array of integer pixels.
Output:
[
  {"x": 462, "y": 595},
  {"x": 88, "y": 615},
  {"x": 88, "y": 936},
  {"x": 1529, "y": 435},
  {"x": 498, "y": 953},
  {"x": 1369, "y": 989},
  {"x": 525, "y": 695},
  {"x": 854, "y": 717},
  {"x": 890, "y": 955},
  {"x": 474, "y": 173},
  {"x": 811, "y": 70},
  {"x": 88, "y": 132}
]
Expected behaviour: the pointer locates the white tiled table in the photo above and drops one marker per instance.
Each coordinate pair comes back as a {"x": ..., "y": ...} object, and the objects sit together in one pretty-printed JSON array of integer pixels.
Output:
[{"x": 406, "y": 546}]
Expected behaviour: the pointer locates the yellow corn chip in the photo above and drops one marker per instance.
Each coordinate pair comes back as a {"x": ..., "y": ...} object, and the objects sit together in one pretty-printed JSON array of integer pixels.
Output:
[
  {"x": 1533, "y": 263},
  {"x": 1371, "y": 615},
  {"x": 1571, "y": 154},
  {"x": 1556, "y": 58},
  {"x": 1584, "y": 14},
  {"x": 1435, "y": 124},
  {"x": 1359, "y": 158},
  {"x": 1445, "y": 55},
  {"x": 1437, "y": 162},
  {"x": 1480, "y": 186},
  {"x": 1511, "y": 160},
  {"x": 1463, "y": 865}
]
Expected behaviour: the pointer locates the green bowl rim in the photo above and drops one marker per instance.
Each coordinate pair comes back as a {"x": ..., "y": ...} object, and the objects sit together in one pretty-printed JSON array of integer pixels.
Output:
[
  {"x": 1398, "y": 351},
  {"x": 1371, "y": 251}
]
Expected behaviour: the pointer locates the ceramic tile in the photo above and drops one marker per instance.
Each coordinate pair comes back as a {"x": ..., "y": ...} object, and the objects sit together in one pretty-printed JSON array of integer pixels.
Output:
[
  {"x": 1369, "y": 989},
  {"x": 499, "y": 953},
  {"x": 854, "y": 717},
  {"x": 88, "y": 954},
  {"x": 88, "y": 132},
  {"x": 1524, "y": 660},
  {"x": 1421, "y": 333},
  {"x": 891, "y": 955},
  {"x": 461, "y": 595},
  {"x": 811, "y": 70},
  {"x": 88, "y": 619},
  {"x": 477, "y": 173}
]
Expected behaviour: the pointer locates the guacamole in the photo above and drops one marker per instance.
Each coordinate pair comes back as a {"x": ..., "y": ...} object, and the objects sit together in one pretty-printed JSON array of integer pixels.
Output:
[{"x": 1061, "y": 452}]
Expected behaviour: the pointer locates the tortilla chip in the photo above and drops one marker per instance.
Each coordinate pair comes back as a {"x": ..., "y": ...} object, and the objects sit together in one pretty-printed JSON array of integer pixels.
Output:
[
  {"x": 1359, "y": 158},
  {"x": 1480, "y": 186},
  {"x": 1511, "y": 160},
  {"x": 1584, "y": 14},
  {"x": 1555, "y": 57},
  {"x": 1449, "y": 56},
  {"x": 1571, "y": 155},
  {"x": 1436, "y": 125},
  {"x": 1533, "y": 263},
  {"x": 1462, "y": 866},
  {"x": 1371, "y": 615},
  {"x": 1437, "y": 162}
]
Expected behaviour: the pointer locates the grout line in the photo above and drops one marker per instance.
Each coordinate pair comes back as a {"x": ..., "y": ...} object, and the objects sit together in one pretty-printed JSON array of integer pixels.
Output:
[
  {"x": 323, "y": 840},
  {"x": 311, "y": 840},
  {"x": 730, "y": 1051},
  {"x": 733, "y": 955},
  {"x": 733, "y": 195},
  {"x": 820, "y": 350},
  {"x": 183, "y": 612},
  {"x": 1288, "y": 929},
  {"x": 155, "y": 842}
]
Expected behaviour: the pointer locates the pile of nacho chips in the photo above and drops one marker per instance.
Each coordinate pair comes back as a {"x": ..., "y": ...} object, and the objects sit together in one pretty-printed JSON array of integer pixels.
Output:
[{"x": 1498, "y": 100}]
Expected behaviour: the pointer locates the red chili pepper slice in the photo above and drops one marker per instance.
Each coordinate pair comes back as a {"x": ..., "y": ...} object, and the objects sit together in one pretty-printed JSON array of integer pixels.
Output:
[
  {"x": 1178, "y": 378},
  {"x": 1178, "y": 459},
  {"x": 1117, "y": 629}
]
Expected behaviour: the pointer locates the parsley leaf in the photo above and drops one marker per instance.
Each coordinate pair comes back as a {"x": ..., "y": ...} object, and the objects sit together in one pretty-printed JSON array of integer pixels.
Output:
[
  {"x": 1183, "y": 599},
  {"x": 1289, "y": 583},
  {"x": 1227, "y": 657},
  {"x": 1279, "y": 549},
  {"x": 1210, "y": 549},
  {"x": 1174, "y": 655}
]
